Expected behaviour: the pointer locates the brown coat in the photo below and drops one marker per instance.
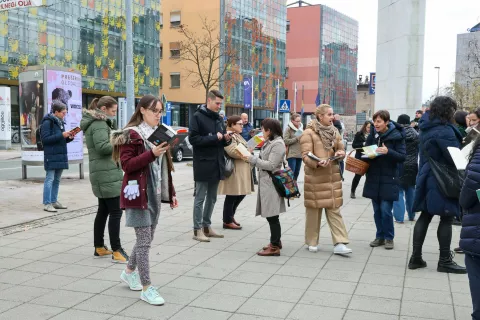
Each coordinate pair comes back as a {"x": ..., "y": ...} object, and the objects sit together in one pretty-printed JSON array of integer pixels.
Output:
[
  {"x": 240, "y": 182},
  {"x": 293, "y": 144},
  {"x": 323, "y": 185}
]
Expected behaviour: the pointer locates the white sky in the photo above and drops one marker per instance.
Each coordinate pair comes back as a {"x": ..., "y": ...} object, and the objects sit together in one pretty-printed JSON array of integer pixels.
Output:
[{"x": 444, "y": 20}]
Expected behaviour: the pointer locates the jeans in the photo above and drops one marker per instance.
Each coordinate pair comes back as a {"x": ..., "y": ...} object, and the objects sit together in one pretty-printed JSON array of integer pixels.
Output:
[
  {"x": 355, "y": 182},
  {"x": 275, "y": 230},
  {"x": 341, "y": 164},
  {"x": 108, "y": 207},
  {"x": 51, "y": 185},
  {"x": 444, "y": 234},
  {"x": 230, "y": 207},
  {"x": 399, "y": 205},
  {"x": 295, "y": 164},
  {"x": 206, "y": 193},
  {"x": 382, "y": 213},
  {"x": 473, "y": 269}
]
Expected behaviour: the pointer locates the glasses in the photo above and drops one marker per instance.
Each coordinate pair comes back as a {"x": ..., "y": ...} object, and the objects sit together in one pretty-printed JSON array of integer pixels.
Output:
[
  {"x": 156, "y": 112},
  {"x": 239, "y": 123}
]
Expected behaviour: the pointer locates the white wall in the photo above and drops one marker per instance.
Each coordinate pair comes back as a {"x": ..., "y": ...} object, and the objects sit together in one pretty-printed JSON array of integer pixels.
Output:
[{"x": 400, "y": 43}]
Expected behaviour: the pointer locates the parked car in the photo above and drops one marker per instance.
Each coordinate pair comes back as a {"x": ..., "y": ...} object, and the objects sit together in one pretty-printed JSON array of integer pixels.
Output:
[{"x": 182, "y": 149}]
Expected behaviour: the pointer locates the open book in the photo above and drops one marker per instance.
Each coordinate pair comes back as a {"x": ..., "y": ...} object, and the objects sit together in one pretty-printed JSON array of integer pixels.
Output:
[
  {"x": 255, "y": 141},
  {"x": 164, "y": 133},
  {"x": 460, "y": 157},
  {"x": 242, "y": 151},
  {"x": 370, "y": 152}
]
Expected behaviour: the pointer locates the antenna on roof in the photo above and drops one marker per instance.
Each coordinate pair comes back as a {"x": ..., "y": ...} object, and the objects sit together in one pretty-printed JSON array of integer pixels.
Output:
[{"x": 299, "y": 2}]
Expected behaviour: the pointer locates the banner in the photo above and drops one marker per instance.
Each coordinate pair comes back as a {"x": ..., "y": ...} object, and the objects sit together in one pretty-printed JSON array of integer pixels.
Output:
[
  {"x": 5, "y": 114},
  {"x": 17, "y": 4},
  {"x": 371, "y": 87},
  {"x": 247, "y": 92}
]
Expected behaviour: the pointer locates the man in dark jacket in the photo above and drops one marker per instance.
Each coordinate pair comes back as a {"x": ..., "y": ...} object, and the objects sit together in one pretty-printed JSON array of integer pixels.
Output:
[
  {"x": 382, "y": 185},
  {"x": 54, "y": 140},
  {"x": 208, "y": 138}
]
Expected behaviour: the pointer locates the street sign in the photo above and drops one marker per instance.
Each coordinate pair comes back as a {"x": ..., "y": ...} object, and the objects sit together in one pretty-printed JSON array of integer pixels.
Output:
[
  {"x": 167, "y": 119},
  {"x": 284, "y": 106}
]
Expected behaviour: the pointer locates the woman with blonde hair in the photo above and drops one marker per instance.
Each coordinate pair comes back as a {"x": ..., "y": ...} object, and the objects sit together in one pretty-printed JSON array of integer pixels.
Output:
[{"x": 323, "y": 182}]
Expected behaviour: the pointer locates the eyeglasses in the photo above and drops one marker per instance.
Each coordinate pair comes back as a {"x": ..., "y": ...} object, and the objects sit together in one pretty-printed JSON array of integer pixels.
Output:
[
  {"x": 239, "y": 123},
  {"x": 156, "y": 112}
]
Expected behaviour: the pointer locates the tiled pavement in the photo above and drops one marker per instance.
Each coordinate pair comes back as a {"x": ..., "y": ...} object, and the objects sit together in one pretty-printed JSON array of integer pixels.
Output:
[{"x": 50, "y": 273}]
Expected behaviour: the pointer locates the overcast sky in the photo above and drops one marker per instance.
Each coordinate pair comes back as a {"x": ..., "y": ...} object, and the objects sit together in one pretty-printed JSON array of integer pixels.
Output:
[{"x": 444, "y": 20}]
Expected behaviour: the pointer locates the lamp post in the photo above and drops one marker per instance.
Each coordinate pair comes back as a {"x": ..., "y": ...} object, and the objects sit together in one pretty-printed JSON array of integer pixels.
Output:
[{"x": 438, "y": 81}]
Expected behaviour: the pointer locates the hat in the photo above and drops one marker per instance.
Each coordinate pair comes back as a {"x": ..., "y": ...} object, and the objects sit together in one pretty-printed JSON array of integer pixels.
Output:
[{"x": 403, "y": 119}]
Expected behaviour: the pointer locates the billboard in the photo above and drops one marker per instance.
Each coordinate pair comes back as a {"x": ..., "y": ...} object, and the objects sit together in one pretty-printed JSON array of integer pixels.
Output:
[
  {"x": 5, "y": 114},
  {"x": 247, "y": 92},
  {"x": 17, "y": 4},
  {"x": 371, "y": 87}
]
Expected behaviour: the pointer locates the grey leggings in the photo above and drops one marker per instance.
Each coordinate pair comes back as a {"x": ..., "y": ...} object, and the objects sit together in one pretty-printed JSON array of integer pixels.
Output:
[{"x": 140, "y": 253}]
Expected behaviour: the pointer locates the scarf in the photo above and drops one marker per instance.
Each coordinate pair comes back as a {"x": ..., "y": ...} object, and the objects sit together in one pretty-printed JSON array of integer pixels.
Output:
[{"x": 327, "y": 133}]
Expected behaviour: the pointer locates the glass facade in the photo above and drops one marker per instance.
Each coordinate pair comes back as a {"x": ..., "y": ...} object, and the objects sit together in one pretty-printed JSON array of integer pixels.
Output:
[
  {"x": 256, "y": 29},
  {"x": 338, "y": 62},
  {"x": 86, "y": 35}
]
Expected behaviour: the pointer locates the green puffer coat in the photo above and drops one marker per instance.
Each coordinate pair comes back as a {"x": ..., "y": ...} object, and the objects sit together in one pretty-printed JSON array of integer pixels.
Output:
[{"x": 105, "y": 176}]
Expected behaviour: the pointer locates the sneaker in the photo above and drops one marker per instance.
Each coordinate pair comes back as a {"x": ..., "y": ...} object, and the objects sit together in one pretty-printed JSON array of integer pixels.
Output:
[
  {"x": 102, "y": 252},
  {"x": 58, "y": 205},
  {"x": 389, "y": 244},
  {"x": 312, "y": 249},
  {"x": 377, "y": 243},
  {"x": 132, "y": 279},
  {"x": 152, "y": 296},
  {"x": 119, "y": 256},
  {"x": 340, "y": 248},
  {"x": 49, "y": 208}
]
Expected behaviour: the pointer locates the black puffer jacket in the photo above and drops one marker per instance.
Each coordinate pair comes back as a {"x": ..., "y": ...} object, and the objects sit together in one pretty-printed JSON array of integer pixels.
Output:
[{"x": 409, "y": 169}]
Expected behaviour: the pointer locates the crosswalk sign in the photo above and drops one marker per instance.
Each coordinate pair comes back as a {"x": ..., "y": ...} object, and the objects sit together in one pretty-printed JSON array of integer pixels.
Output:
[{"x": 284, "y": 106}]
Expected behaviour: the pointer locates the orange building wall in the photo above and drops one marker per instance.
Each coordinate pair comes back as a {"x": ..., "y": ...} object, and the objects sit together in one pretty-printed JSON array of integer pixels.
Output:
[{"x": 303, "y": 55}]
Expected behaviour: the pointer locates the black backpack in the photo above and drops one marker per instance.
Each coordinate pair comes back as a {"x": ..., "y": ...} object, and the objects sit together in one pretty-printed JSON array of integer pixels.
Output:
[{"x": 38, "y": 136}]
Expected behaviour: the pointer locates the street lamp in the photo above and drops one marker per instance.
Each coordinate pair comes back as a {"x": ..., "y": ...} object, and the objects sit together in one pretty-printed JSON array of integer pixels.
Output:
[{"x": 438, "y": 81}]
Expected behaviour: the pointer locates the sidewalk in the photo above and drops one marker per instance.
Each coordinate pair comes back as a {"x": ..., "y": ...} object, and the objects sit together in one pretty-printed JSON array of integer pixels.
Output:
[
  {"x": 50, "y": 273},
  {"x": 15, "y": 152}
]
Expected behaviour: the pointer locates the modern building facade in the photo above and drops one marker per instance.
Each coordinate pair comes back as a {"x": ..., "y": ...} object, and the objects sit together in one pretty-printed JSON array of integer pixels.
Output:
[
  {"x": 322, "y": 57},
  {"x": 467, "y": 72},
  {"x": 88, "y": 36}
]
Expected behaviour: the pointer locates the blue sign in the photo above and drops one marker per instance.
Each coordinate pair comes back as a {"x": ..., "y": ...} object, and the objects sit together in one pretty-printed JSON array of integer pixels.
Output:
[
  {"x": 284, "y": 106},
  {"x": 371, "y": 87},
  {"x": 168, "y": 118},
  {"x": 247, "y": 92}
]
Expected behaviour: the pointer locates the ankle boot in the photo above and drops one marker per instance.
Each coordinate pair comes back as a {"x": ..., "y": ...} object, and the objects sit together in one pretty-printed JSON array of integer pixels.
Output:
[
  {"x": 447, "y": 265},
  {"x": 416, "y": 263},
  {"x": 209, "y": 232},
  {"x": 269, "y": 252}
]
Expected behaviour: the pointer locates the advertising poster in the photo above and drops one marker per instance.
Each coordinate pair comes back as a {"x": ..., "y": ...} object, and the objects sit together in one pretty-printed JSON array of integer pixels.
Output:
[
  {"x": 16, "y": 4},
  {"x": 371, "y": 87},
  {"x": 247, "y": 92},
  {"x": 5, "y": 114}
]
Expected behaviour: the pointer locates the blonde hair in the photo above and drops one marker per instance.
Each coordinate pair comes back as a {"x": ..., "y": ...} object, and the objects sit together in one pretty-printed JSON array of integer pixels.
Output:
[{"x": 322, "y": 109}]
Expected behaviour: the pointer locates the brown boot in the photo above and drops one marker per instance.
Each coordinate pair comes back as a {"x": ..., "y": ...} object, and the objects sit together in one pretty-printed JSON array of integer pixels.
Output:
[
  {"x": 199, "y": 236},
  {"x": 269, "y": 252},
  {"x": 235, "y": 221},
  {"x": 269, "y": 245},
  {"x": 231, "y": 226},
  {"x": 209, "y": 232}
]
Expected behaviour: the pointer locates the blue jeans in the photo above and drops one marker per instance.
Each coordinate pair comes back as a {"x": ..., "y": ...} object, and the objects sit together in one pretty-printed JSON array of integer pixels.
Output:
[
  {"x": 473, "y": 269},
  {"x": 399, "y": 205},
  {"x": 295, "y": 164},
  {"x": 51, "y": 185},
  {"x": 383, "y": 219}
]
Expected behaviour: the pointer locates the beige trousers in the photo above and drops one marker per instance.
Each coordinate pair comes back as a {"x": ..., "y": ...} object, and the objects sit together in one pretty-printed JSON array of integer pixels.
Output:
[{"x": 335, "y": 221}]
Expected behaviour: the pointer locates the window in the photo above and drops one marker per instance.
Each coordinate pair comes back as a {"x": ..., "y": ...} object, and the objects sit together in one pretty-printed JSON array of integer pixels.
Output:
[
  {"x": 161, "y": 21},
  {"x": 161, "y": 80},
  {"x": 161, "y": 51},
  {"x": 175, "y": 19},
  {"x": 174, "y": 50},
  {"x": 174, "y": 80},
  {"x": 288, "y": 25}
]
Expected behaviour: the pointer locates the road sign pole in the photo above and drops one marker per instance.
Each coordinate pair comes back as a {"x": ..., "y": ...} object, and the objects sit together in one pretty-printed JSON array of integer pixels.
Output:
[{"x": 253, "y": 98}]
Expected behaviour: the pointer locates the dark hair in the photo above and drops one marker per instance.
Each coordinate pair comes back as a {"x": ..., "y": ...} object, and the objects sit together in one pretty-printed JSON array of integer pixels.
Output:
[
  {"x": 460, "y": 118},
  {"x": 403, "y": 119},
  {"x": 105, "y": 101},
  {"x": 382, "y": 114},
  {"x": 476, "y": 112},
  {"x": 337, "y": 124},
  {"x": 58, "y": 106},
  {"x": 212, "y": 94},
  {"x": 443, "y": 108},
  {"x": 147, "y": 102},
  {"x": 272, "y": 125},
  {"x": 419, "y": 111},
  {"x": 233, "y": 120},
  {"x": 294, "y": 116},
  {"x": 364, "y": 127}
]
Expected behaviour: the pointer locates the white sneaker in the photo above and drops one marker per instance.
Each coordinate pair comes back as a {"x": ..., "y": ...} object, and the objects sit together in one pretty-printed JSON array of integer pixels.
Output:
[
  {"x": 340, "y": 248},
  {"x": 312, "y": 249},
  {"x": 132, "y": 280},
  {"x": 152, "y": 296},
  {"x": 49, "y": 208}
]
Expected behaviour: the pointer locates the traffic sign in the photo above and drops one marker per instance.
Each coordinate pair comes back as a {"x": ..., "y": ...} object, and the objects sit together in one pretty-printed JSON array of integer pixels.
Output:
[{"x": 284, "y": 106}]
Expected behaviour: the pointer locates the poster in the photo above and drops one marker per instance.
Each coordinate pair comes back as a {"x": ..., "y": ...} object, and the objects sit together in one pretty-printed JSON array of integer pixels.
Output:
[
  {"x": 247, "y": 92},
  {"x": 5, "y": 114},
  {"x": 16, "y": 4}
]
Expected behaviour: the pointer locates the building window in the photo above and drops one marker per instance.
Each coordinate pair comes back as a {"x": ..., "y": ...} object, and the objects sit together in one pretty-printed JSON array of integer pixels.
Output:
[
  {"x": 175, "y": 19},
  {"x": 161, "y": 80},
  {"x": 288, "y": 25},
  {"x": 161, "y": 51},
  {"x": 161, "y": 21},
  {"x": 174, "y": 80},
  {"x": 175, "y": 50}
]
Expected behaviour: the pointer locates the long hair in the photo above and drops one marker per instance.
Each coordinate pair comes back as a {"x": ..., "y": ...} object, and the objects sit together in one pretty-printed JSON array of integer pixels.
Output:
[
  {"x": 443, "y": 108},
  {"x": 364, "y": 127},
  {"x": 147, "y": 102},
  {"x": 105, "y": 101}
]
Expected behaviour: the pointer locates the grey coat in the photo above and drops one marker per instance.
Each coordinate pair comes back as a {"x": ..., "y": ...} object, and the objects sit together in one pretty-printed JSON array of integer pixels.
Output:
[{"x": 272, "y": 155}]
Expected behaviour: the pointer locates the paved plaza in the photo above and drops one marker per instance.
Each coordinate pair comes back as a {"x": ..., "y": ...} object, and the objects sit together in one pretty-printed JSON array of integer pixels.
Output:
[{"x": 49, "y": 272}]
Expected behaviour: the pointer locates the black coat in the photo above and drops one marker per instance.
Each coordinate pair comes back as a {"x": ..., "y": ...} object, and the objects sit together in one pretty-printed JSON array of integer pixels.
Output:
[
  {"x": 55, "y": 154},
  {"x": 208, "y": 151},
  {"x": 382, "y": 181},
  {"x": 409, "y": 169},
  {"x": 358, "y": 143}
]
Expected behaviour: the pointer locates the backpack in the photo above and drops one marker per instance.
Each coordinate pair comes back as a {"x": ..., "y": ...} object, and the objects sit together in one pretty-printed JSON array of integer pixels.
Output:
[
  {"x": 38, "y": 136},
  {"x": 285, "y": 184}
]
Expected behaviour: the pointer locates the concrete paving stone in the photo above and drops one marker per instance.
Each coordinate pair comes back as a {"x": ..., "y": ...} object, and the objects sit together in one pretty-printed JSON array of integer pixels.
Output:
[
  {"x": 17, "y": 277},
  {"x": 340, "y": 275},
  {"x": 266, "y": 308},
  {"x": 457, "y": 277},
  {"x": 272, "y": 260},
  {"x": 390, "y": 253},
  {"x": 4, "y": 286},
  {"x": 372, "y": 290},
  {"x": 176, "y": 295},
  {"x": 321, "y": 254},
  {"x": 22, "y": 293},
  {"x": 117, "y": 317},
  {"x": 62, "y": 298},
  {"x": 81, "y": 315},
  {"x": 52, "y": 239},
  {"x": 259, "y": 267},
  {"x": 423, "y": 295},
  {"x": 362, "y": 315},
  {"x": 51, "y": 281},
  {"x": 162, "y": 279},
  {"x": 64, "y": 258},
  {"x": 193, "y": 313},
  {"x": 76, "y": 270},
  {"x": 239, "y": 316},
  {"x": 375, "y": 304},
  {"x": 427, "y": 310},
  {"x": 327, "y": 299},
  {"x": 106, "y": 304},
  {"x": 309, "y": 312},
  {"x": 121, "y": 290},
  {"x": 90, "y": 285},
  {"x": 4, "y": 241},
  {"x": 171, "y": 268},
  {"x": 12, "y": 263},
  {"x": 6, "y": 305},
  {"x": 34, "y": 255},
  {"x": 306, "y": 262},
  {"x": 459, "y": 286},
  {"x": 108, "y": 273},
  {"x": 371, "y": 278},
  {"x": 208, "y": 273},
  {"x": 333, "y": 286},
  {"x": 279, "y": 294},
  {"x": 9, "y": 251},
  {"x": 186, "y": 259},
  {"x": 463, "y": 312},
  {"x": 344, "y": 265},
  {"x": 142, "y": 310},
  {"x": 462, "y": 299},
  {"x": 167, "y": 249},
  {"x": 248, "y": 277},
  {"x": 235, "y": 288},
  {"x": 192, "y": 283},
  {"x": 30, "y": 311},
  {"x": 428, "y": 284},
  {"x": 41, "y": 267},
  {"x": 221, "y": 302},
  {"x": 24, "y": 235},
  {"x": 304, "y": 272},
  {"x": 289, "y": 282},
  {"x": 79, "y": 241},
  {"x": 384, "y": 269},
  {"x": 389, "y": 261}
]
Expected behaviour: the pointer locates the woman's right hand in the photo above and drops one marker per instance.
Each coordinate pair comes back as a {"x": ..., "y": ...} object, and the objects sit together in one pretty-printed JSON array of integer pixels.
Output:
[
  {"x": 323, "y": 163},
  {"x": 160, "y": 149}
]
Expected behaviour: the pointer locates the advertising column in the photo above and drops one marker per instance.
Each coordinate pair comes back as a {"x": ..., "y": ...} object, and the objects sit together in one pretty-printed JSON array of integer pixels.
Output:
[{"x": 5, "y": 119}]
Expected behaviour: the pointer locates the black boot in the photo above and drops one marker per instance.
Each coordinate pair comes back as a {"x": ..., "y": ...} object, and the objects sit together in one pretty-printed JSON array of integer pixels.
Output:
[
  {"x": 416, "y": 263},
  {"x": 447, "y": 265},
  {"x": 352, "y": 195}
]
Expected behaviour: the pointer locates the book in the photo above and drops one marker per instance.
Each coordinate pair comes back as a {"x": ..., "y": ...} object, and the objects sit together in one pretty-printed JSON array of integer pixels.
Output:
[
  {"x": 478, "y": 194},
  {"x": 164, "y": 133},
  {"x": 460, "y": 157},
  {"x": 314, "y": 157},
  {"x": 255, "y": 141},
  {"x": 370, "y": 152},
  {"x": 242, "y": 151}
]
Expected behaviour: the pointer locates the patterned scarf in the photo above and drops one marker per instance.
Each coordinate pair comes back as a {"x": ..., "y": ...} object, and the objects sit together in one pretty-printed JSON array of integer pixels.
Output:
[{"x": 327, "y": 133}]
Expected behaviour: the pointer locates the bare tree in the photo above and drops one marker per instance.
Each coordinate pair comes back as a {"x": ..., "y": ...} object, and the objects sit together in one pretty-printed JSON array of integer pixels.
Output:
[
  {"x": 466, "y": 88},
  {"x": 201, "y": 54}
]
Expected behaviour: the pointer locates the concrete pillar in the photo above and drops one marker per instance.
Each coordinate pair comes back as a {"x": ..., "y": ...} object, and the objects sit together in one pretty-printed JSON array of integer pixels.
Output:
[{"x": 400, "y": 44}]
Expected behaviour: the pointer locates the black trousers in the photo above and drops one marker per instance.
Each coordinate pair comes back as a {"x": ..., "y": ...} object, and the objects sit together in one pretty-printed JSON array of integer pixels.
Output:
[
  {"x": 108, "y": 207},
  {"x": 230, "y": 207},
  {"x": 472, "y": 262},
  {"x": 355, "y": 182},
  {"x": 275, "y": 230},
  {"x": 444, "y": 234}
]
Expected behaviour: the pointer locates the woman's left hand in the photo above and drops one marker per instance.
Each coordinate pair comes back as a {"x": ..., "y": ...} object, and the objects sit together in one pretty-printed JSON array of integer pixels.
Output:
[
  {"x": 174, "y": 203},
  {"x": 382, "y": 150},
  {"x": 340, "y": 153}
]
